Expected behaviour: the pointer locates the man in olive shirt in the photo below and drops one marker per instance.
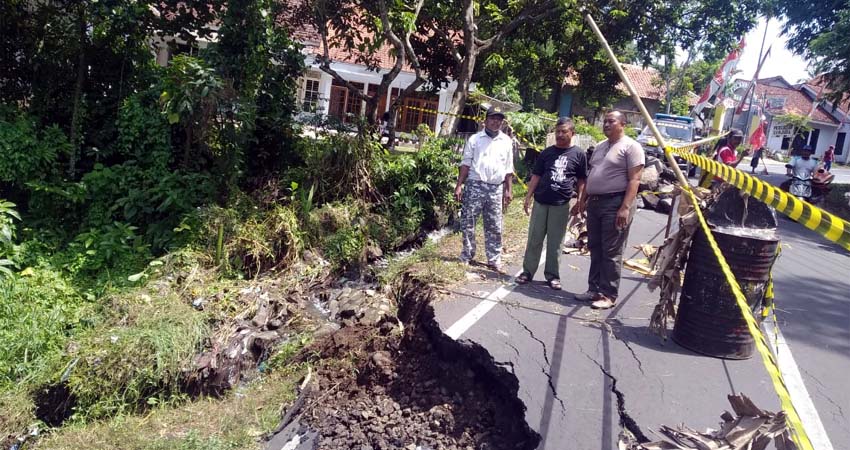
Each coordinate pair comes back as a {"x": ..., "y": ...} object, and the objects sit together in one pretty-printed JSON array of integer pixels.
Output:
[
  {"x": 609, "y": 200},
  {"x": 559, "y": 171}
]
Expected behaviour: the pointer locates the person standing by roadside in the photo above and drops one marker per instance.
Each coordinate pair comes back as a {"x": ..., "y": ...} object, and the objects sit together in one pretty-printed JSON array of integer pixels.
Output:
[
  {"x": 754, "y": 162},
  {"x": 828, "y": 158},
  {"x": 486, "y": 171},
  {"x": 558, "y": 173},
  {"x": 609, "y": 200}
]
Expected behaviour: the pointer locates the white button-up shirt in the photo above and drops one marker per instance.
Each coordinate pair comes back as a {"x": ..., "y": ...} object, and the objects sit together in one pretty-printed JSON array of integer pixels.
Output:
[{"x": 489, "y": 159}]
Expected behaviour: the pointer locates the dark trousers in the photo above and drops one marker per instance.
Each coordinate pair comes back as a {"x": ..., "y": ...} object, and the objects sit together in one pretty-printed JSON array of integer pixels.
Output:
[{"x": 606, "y": 244}]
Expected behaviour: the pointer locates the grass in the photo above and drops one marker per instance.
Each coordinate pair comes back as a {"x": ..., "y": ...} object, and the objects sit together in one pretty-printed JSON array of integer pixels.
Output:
[
  {"x": 135, "y": 358},
  {"x": 836, "y": 202},
  {"x": 437, "y": 262},
  {"x": 236, "y": 421}
]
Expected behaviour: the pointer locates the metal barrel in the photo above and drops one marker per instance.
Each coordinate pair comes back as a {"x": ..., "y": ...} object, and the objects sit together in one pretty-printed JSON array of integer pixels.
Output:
[{"x": 708, "y": 319}]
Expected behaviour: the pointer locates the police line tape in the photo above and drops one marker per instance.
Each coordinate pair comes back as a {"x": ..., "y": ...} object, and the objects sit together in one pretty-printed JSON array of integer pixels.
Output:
[
  {"x": 827, "y": 225},
  {"x": 464, "y": 116},
  {"x": 798, "y": 432},
  {"x": 445, "y": 113}
]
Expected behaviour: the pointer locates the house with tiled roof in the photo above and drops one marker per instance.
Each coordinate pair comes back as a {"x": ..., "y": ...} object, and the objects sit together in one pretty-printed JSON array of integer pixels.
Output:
[
  {"x": 647, "y": 82},
  {"x": 775, "y": 96},
  {"x": 320, "y": 93}
]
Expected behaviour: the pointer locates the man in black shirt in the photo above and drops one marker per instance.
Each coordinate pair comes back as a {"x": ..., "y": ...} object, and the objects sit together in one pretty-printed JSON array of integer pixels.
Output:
[{"x": 559, "y": 172}]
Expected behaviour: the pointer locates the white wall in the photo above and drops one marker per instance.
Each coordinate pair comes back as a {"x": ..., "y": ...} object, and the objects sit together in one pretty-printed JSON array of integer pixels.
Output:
[{"x": 359, "y": 74}]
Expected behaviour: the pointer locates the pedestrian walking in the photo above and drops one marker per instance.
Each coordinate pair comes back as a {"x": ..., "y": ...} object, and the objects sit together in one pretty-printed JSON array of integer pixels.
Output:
[
  {"x": 828, "y": 158},
  {"x": 609, "y": 200},
  {"x": 559, "y": 172},
  {"x": 754, "y": 162},
  {"x": 484, "y": 187}
]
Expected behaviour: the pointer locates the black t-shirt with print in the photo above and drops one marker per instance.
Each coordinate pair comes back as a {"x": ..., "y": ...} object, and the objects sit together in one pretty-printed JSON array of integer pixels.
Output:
[{"x": 558, "y": 169}]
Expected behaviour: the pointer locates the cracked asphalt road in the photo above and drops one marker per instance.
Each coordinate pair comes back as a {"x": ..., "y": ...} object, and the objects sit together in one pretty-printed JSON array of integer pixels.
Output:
[{"x": 586, "y": 375}]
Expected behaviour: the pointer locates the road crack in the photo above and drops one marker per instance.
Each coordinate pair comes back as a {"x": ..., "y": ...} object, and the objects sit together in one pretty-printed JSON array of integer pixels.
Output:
[
  {"x": 545, "y": 357},
  {"x": 822, "y": 394},
  {"x": 604, "y": 326},
  {"x": 626, "y": 420}
]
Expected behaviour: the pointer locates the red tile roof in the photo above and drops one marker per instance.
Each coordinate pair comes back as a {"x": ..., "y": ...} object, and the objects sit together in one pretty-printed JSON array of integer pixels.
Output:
[
  {"x": 646, "y": 80},
  {"x": 307, "y": 35},
  {"x": 795, "y": 102},
  {"x": 818, "y": 85}
]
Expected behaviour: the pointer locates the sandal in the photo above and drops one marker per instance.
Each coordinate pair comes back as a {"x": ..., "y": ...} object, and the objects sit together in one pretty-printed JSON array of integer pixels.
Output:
[
  {"x": 603, "y": 303},
  {"x": 523, "y": 278},
  {"x": 555, "y": 284}
]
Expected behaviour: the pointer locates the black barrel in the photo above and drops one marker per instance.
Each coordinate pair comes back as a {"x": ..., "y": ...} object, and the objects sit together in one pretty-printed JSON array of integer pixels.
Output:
[{"x": 708, "y": 320}]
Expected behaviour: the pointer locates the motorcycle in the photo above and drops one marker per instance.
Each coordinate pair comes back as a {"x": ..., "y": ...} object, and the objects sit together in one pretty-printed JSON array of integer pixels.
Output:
[{"x": 812, "y": 189}]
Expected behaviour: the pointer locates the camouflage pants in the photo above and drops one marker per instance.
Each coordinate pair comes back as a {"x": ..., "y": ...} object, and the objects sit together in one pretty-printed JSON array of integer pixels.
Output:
[{"x": 485, "y": 199}]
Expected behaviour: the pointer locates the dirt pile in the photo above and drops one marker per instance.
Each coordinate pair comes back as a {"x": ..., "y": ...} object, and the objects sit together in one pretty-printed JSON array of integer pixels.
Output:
[{"x": 404, "y": 384}]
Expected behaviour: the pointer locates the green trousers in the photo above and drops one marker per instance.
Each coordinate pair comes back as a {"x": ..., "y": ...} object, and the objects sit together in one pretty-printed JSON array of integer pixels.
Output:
[{"x": 550, "y": 223}]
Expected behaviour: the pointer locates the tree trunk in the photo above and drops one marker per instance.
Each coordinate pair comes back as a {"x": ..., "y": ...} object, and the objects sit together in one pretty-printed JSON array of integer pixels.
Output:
[
  {"x": 78, "y": 90},
  {"x": 467, "y": 65},
  {"x": 459, "y": 96}
]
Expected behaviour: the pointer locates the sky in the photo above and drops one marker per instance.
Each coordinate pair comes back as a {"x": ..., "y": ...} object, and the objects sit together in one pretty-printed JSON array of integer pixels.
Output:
[{"x": 780, "y": 61}]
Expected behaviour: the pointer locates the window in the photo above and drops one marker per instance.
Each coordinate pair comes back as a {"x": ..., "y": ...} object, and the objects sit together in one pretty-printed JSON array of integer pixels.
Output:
[{"x": 311, "y": 95}]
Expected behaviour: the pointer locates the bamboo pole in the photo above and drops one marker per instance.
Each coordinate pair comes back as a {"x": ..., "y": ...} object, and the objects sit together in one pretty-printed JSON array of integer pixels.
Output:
[{"x": 670, "y": 159}]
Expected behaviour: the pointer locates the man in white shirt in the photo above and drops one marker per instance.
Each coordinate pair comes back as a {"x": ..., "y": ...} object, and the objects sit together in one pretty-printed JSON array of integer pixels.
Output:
[{"x": 484, "y": 187}]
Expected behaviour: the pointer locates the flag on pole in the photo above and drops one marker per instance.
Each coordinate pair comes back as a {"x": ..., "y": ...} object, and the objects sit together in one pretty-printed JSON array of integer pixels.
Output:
[
  {"x": 720, "y": 77},
  {"x": 759, "y": 137},
  {"x": 751, "y": 86}
]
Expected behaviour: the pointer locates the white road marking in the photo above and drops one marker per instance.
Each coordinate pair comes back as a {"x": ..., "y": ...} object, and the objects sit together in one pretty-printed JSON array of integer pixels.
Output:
[
  {"x": 475, "y": 314},
  {"x": 799, "y": 395}
]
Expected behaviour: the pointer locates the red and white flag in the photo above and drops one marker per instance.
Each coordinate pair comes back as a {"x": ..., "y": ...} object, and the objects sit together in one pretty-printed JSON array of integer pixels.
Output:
[
  {"x": 720, "y": 77},
  {"x": 759, "y": 137}
]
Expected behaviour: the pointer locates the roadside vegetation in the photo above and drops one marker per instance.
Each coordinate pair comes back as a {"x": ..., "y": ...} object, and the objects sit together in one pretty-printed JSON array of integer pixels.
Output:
[
  {"x": 838, "y": 202},
  {"x": 125, "y": 244}
]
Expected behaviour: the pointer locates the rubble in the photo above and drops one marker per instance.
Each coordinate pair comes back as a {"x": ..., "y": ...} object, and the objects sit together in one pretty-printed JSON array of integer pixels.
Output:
[
  {"x": 750, "y": 428},
  {"x": 404, "y": 384}
]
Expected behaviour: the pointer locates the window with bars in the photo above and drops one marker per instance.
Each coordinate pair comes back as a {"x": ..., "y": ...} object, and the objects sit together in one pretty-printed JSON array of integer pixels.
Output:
[{"x": 311, "y": 95}]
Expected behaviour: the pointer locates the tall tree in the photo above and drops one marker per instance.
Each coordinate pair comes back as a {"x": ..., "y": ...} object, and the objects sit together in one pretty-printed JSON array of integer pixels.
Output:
[
  {"x": 819, "y": 32},
  {"x": 73, "y": 62},
  {"x": 471, "y": 32},
  {"x": 365, "y": 29}
]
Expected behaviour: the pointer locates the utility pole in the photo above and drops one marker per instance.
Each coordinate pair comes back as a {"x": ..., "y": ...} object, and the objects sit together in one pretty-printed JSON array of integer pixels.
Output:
[{"x": 755, "y": 82}]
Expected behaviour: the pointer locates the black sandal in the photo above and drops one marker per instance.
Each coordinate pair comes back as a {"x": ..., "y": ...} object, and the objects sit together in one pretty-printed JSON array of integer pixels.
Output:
[
  {"x": 523, "y": 278},
  {"x": 555, "y": 284}
]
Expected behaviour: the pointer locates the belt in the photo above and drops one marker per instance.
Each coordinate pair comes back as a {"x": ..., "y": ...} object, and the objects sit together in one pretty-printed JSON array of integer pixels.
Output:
[{"x": 606, "y": 196}]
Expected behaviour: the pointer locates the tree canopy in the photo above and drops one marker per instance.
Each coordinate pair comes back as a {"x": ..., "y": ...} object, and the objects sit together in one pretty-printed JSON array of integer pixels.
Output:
[{"x": 819, "y": 32}]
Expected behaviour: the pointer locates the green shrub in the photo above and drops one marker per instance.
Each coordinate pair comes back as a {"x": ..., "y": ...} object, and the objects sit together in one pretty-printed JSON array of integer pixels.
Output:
[
  {"x": 38, "y": 312},
  {"x": 346, "y": 247},
  {"x": 532, "y": 127},
  {"x": 583, "y": 127},
  {"x": 29, "y": 153},
  {"x": 418, "y": 191},
  {"x": 836, "y": 202},
  {"x": 113, "y": 246},
  {"x": 243, "y": 239},
  {"x": 341, "y": 166}
]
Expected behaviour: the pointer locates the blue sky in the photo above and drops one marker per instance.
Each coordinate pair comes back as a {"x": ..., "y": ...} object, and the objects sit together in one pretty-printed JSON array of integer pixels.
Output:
[{"x": 780, "y": 61}]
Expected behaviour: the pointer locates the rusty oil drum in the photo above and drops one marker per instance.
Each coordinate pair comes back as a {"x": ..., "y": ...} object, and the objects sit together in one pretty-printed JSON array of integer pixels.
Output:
[{"x": 708, "y": 320}]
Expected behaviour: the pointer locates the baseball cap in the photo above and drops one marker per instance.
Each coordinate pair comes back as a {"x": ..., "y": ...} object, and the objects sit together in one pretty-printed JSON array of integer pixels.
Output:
[
  {"x": 495, "y": 111},
  {"x": 734, "y": 132}
]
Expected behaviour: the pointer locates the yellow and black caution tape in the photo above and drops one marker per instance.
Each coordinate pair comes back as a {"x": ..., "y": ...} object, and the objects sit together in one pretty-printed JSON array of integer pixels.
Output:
[
  {"x": 462, "y": 116},
  {"x": 759, "y": 191},
  {"x": 828, "y": 225},
  {"x": 798, "y": 432},
  {"x": 434, "y": 111}
]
